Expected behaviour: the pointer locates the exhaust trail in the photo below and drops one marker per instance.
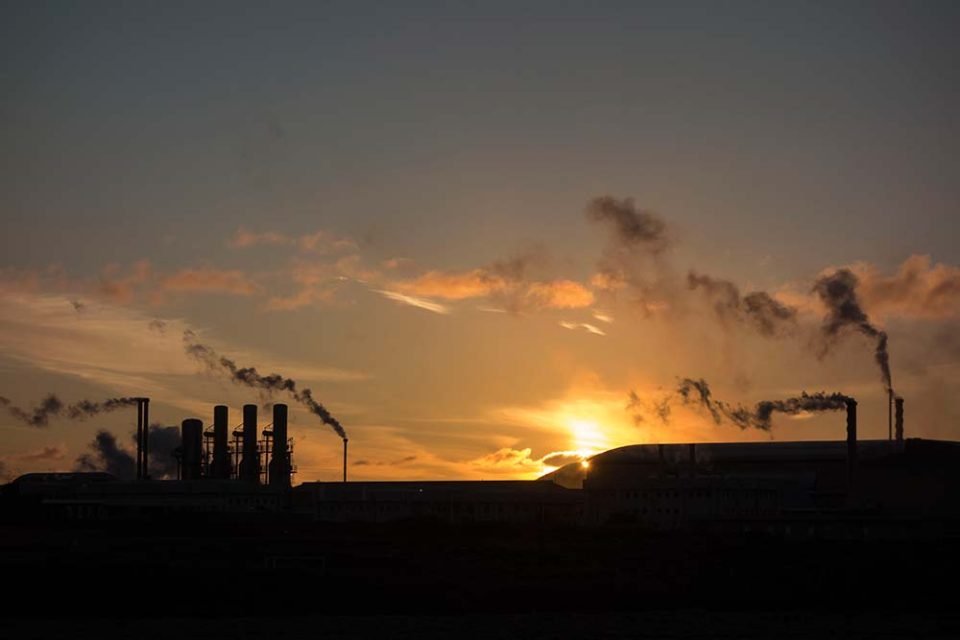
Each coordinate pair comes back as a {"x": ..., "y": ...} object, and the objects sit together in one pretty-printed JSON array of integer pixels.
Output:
[
  {"x": 697, "y": 392},
  {"x": 250, "y": 377},
  {"x": 838, "y": 291},
  {"x": 52, "y": 407}
]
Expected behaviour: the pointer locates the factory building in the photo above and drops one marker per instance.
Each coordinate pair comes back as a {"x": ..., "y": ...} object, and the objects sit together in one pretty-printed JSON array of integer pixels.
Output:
[
  {"x": 455, "y": 502},
  {"x": 851, "y": 488}
]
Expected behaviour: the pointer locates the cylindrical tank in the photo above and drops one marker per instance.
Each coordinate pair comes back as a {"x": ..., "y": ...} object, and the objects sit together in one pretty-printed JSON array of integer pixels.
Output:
[
  {"x": 191, "y": 434},
  {"x": 280, "y": 458},
  {"x": 250, "y": 463},
  {"x": 221, "y": 448}
]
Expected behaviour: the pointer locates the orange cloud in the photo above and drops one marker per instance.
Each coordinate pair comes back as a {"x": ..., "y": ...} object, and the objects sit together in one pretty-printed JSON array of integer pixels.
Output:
[
  {"x": 560, "y": 294},
  {"x": 919, "y": 289},
  {"x": 205, "y": 279},
  {"x": 305, "y": 297},
  {"x": 319, "y": 242},
  {"x": 454, "y": 286},
  {"x": 116, "y": 286}
]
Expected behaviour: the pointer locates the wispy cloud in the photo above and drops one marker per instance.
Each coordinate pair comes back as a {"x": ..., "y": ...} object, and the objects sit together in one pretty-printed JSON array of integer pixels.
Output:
[
  {"x": 414, "y": 301},
  {"x": 318, "y": 242},
  {"x": 210, "y": 280},
  {"x": 582, "y": 325}
]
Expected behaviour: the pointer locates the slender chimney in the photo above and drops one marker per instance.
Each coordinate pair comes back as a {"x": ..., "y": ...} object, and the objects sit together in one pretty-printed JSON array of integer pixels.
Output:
[
  {"x": 250, "y": 463},
  {"x": 899, "y": 402},
  {"x": 889, "y": 413},
  {"x": 221, "y": 448},
  {"x": 280, "y": 458},
  {"x": 146, "y": 438},
  {"x": 139, "y": 439},
  {"x": 851, "y": 444},
  {"x": 191, "y": 435},
  {"x": 344, "y": 459}
]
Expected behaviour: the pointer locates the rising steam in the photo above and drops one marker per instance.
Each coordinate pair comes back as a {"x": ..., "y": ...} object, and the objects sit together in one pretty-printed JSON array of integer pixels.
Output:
[
  {"x": 53, "y": 407},
  {"x": 250, "y": 377}
]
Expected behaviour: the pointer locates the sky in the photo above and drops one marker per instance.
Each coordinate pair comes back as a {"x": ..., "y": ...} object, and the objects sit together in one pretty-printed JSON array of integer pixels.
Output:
[{"x": 470, "y": 228}]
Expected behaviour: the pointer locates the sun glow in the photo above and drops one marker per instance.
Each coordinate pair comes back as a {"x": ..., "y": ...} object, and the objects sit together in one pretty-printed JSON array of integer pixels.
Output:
[{"x": 586, "y": 435}]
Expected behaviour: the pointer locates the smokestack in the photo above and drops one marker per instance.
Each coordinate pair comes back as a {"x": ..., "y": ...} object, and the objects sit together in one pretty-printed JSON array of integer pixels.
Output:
[
  {"x": 889, "y": 414},
  {"x": 221, "y": 448},
  {"x": 143, "y": 435},
  {"x": 851, "y": 443},
  {"x": 250, "y": 463},
  {"x": 899, "y": 402},
  {"x": 344, "y": 459},
  {"x": 191, "y": 433},
  {"x": 139, "y": 440},
  {"x": 280, "y": 458},
  {"x": 146, "y": 438}
]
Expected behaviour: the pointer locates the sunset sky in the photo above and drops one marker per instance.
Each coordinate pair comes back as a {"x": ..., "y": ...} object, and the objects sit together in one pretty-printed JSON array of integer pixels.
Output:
[{"x": 395, "y": 205}]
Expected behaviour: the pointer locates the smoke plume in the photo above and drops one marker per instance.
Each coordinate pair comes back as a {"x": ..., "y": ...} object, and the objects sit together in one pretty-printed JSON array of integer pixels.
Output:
[
  {"x": 697, "y": 392},
  {"x": 163, "y": 441},
  {"x": 53, "y": 407},
  {"x": 632, "y": 227},
  {"x": 838, "y": 291},
  {"x": 107, "y": 455},
  {"x": 757, "y": 309},
  {"x": 250, "y": 377}
]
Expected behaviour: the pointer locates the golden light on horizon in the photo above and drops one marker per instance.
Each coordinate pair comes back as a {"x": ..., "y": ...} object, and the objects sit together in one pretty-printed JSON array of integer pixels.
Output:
[{"x": 587, "y": 436}]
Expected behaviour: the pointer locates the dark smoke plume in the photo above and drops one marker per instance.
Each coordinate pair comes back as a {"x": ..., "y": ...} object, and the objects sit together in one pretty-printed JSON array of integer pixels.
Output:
[
  {"x": 250, "y": 377},
  {"x": 107, "y": 455},
  {"x": 838, "y": 291},
  {"x": 698, "y": 392},
  {"x": 820, "y": 401},
  {"x": 659, "y": 407},
  {"x": 384, "y": 463},
  {"x": 163, "y": 442},
  {"x": 53, "y": 407},
  {"x": 78, "y": 306},
  {"x": 633, "y": 227},
  {"x": 758, "y": 309}
]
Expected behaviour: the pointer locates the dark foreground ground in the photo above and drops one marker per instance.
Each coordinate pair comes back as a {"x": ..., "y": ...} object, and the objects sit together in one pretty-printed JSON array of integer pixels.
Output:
[{"x": 427, "y": 580}]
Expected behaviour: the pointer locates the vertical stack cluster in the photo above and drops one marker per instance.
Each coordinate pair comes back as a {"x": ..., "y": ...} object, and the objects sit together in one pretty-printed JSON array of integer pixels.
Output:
[{"x": 256, "y": 457}]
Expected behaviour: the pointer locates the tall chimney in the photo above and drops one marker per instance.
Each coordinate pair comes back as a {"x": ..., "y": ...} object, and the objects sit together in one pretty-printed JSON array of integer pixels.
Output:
[
  {"x": 221, "y": 447},
  {"x": 344, "y": 459},
  {"x": 146, "y": 438},
  {"x": 280, "y": 458},
  {"x": 250, "y": 463},
  {"x": 889, "y": 413},
  {"x": 139, "y": 439},
  {"x": 143, "y": 435},
  {"x": 899, "y": 402},
  {"x": 191, "y": 434},
  {"x": 851, "y": 444}
]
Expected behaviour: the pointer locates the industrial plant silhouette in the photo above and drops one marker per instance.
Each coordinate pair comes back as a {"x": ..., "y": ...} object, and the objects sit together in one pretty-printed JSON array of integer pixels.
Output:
[{"x": 841, "y": 525}]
